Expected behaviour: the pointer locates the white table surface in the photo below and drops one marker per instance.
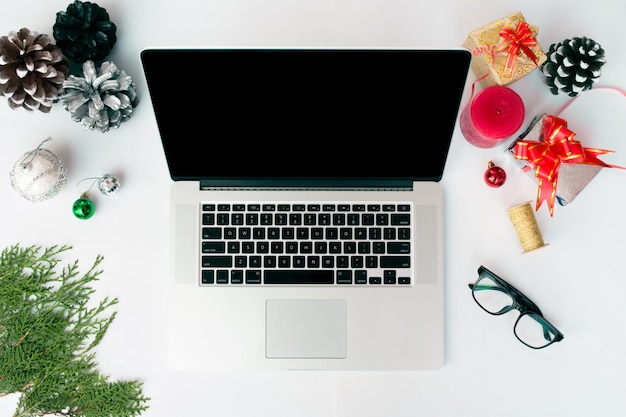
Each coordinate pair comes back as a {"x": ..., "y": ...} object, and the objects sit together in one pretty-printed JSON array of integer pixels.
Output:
[{"x": 579, "y": 280}]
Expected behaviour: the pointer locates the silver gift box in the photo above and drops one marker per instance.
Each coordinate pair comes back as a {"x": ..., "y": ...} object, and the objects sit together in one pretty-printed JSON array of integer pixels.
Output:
[{"x": 572, "y": 177}]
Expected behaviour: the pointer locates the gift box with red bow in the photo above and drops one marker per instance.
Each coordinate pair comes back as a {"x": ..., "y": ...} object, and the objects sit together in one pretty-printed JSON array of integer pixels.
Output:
[
  {"x": 560, "y": 163},
  {"x": 505, "y": 50}
]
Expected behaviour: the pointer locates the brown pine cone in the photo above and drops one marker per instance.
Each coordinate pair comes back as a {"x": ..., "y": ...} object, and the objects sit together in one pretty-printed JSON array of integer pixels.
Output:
[{"x": 32, "y": 70}]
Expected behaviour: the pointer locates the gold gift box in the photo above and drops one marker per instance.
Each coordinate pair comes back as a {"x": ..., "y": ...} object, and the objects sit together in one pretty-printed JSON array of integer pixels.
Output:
[{"x": 489, "y": 52}]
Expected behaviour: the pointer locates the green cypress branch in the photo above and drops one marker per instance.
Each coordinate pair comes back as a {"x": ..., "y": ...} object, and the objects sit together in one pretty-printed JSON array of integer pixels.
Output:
[{"x": 48, "y": 331}]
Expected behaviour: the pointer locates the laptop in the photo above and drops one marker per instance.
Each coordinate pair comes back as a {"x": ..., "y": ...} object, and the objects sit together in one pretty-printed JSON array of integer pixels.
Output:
[{"x": 306, "y": 209}]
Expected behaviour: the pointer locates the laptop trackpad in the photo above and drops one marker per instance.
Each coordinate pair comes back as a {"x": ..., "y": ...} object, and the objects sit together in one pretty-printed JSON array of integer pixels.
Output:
[{"x": 305, "y": 329}]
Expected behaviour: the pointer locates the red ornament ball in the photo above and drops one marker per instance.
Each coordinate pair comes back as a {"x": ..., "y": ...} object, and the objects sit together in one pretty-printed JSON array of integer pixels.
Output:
[{"x": 494, "y": 175}]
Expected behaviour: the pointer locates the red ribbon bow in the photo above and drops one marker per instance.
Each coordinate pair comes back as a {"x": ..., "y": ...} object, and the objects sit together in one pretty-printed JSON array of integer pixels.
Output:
[
  {"x": 558, "y": 146},
  {"x": 517, "y": 40}
]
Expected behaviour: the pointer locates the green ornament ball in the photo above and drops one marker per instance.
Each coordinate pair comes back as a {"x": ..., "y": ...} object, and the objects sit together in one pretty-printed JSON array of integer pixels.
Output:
[{"x": 83, "y": 208}]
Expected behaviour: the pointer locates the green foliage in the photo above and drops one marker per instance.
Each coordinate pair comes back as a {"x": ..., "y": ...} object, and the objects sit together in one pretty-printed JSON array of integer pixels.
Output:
[{"x": 48, "y": 332}]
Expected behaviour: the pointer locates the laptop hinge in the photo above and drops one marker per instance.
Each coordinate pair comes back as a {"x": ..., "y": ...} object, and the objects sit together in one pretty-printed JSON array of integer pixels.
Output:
[{"x": 307, "y": 184}]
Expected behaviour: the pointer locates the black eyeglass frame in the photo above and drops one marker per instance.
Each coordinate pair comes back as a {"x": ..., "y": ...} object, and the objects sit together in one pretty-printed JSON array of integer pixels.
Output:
[{"x": 521, "y": 303}]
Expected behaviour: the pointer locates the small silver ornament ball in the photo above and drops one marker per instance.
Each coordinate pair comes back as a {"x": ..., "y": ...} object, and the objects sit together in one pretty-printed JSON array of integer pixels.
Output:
[
  {"x": 109, "y": 184},
  {"x": 38, "y": 175}
]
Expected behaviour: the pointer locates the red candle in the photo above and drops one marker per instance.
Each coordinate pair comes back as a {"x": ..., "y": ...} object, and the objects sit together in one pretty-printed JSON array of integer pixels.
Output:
[{"x": 492, "y": 116}]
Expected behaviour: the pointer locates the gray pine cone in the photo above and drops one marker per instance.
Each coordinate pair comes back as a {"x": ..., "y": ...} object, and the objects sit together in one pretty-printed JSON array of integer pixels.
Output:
[
  {"x": 102, "y": 99},
  {"x": 32, "y": 70},
  {"x": 573, "y": 65}
]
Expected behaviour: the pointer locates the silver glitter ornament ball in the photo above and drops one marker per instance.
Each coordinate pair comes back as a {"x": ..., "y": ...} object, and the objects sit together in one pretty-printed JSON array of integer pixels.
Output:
[
  {"x": 108, "y": 184},
  {"x": 38, "y": 175}
]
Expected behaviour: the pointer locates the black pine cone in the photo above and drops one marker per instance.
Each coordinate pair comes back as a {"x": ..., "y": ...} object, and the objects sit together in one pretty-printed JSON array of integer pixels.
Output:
[
  {"x": 84, "y": 32},
  {"x": 32, "y": 70},
  {"x": 573, "y": 65}
]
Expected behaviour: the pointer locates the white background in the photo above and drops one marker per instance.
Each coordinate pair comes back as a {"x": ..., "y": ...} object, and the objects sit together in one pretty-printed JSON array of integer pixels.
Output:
[{"x": 579, "y": 280}]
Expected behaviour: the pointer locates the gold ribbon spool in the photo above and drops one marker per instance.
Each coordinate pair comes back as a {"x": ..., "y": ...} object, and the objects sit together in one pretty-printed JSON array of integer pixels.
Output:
[{"x": 525, "y": 223}]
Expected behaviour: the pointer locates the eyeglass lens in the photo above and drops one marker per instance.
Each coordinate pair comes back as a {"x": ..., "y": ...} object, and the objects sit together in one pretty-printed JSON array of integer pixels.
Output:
[
  {"x": 491, "y": 296},
  {"x": 532, "y": 330}
]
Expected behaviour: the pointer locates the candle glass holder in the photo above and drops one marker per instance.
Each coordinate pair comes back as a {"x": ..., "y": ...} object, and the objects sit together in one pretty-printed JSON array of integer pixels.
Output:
[{"x": 492, "y": 117}]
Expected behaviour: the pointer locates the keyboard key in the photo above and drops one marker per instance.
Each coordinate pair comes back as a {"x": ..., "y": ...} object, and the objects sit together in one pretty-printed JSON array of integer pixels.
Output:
[
  {"x": 211, "y": 233},
  {"x": 360, "y": 277},
  {"x": 213, "y": 247},
  {"x": 253, "y": 277},
  {"x": 344, "y": 276},
  {"x": 216, "y": 261},
  {"x": 398, "y": 247},
  {"x": 390, "y": 280},
  {"x": 339, "y": 219},
  {"x": 395, "y": 261},
  {"x": 400, "y": 219},
  {"x": 281, "y": 276},
  {"x": 208, "y": 276},
  {"x": 233, "y": 247},
  {"x": 328, "y": 261},
  {"x": 313, "y": 262},
  {"x": 382, "y": 219},
  {"x": 236, "y": 276},
  {"x": 222, "y": 277}
]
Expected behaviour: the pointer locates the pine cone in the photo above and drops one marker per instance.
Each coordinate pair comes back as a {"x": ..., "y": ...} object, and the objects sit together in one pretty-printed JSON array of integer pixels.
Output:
[
  {"x": 84, "y": 32},
  {"x": 102, "y": 99},
  {"x": 32, "y": 70},
  {"x": 573, "y": 65}
]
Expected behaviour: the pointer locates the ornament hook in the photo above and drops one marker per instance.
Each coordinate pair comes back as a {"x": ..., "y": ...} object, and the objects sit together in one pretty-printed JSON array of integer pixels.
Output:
[
  {"x": 31, "y": 155},
  {"x": 108, "y": 184}
]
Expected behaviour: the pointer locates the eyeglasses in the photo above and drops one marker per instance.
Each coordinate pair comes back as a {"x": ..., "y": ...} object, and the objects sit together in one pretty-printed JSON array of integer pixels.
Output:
[{"x": 496, "y": 296}]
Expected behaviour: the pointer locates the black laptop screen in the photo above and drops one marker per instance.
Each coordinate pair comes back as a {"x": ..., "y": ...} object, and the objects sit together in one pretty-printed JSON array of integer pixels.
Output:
[{"x": 306, "y": 113}]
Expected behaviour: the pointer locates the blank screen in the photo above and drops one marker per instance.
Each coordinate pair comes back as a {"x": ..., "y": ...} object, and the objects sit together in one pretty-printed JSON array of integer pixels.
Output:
[{"x": 305, "y": 113}]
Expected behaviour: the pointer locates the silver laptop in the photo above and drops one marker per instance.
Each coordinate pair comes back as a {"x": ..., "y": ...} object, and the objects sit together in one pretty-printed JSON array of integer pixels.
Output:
[{"x": 306, "y": 209}]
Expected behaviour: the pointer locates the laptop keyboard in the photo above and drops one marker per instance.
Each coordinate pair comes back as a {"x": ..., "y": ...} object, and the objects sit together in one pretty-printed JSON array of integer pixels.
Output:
[{"x": 306, "y": 244}]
